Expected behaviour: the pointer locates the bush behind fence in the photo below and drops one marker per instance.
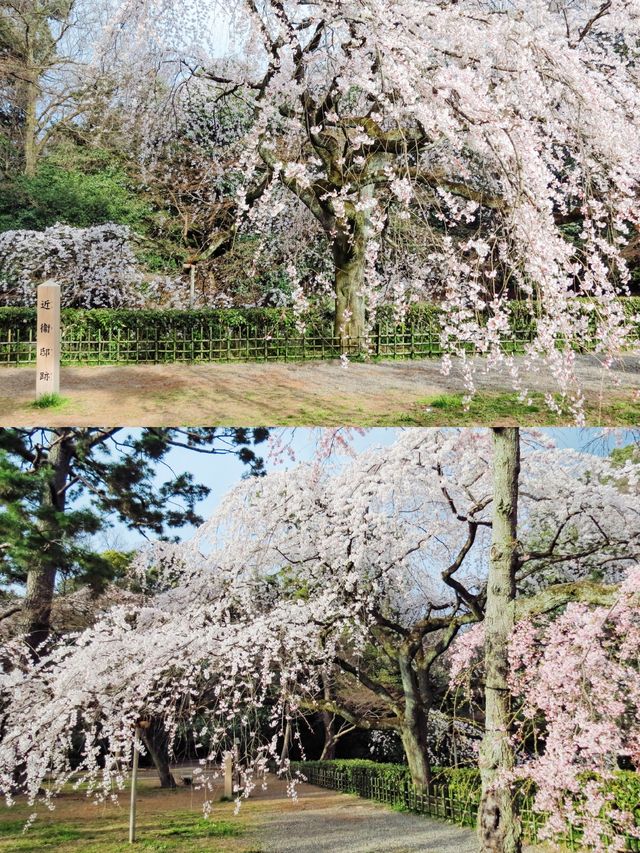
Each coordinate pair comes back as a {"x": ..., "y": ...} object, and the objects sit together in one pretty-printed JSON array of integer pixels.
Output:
[
  {"x": 453, "y": 796},
  {"x": 119, "y": 336}
]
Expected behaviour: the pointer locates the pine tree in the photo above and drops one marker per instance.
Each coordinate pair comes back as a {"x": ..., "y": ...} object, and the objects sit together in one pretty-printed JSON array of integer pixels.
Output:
[{"x": 59, "y": 485}]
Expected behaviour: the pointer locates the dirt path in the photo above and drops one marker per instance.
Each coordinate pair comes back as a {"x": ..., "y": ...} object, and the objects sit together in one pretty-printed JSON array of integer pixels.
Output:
[{"x": 312, "y": 393}]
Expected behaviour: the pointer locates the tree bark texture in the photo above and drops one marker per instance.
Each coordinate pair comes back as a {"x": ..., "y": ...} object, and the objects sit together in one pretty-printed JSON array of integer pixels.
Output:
[
  {"x": 41, "y": 577},
  {"x": 499, "y": 828},
  {"x": 414, "y": 726},
  {"x": 30, "y": 128},
  {"x": 349, "y": 258},
  {"x": 350, "y": 323},
  {"x": 286, "y": 743},
  {"x": 157, "y": 744},
  {"x": 329, "y": 726}
]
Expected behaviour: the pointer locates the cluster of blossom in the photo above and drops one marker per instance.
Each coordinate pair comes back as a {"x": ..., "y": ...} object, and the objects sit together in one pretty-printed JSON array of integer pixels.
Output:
[
  {"x": 409, "y": 506},
  {"x": 96, "y": 266},
  {"x": 576, "y": 680},
  {"x": 212, "y": 673},
  {"x": 507, "y": 109}
]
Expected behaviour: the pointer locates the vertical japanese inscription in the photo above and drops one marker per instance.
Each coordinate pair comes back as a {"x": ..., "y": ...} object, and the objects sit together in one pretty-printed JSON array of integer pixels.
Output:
[{"x": 48, "y": 340}]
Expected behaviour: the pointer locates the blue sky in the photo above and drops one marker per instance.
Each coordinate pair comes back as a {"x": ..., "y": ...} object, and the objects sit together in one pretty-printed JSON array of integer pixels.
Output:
[{"x": 221, "y": 473}]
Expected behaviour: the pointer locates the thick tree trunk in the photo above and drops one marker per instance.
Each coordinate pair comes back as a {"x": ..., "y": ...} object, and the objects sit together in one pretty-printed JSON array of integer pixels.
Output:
[
  {"x": 41, "y": 577},
  {"x": 499, "y": 828},
  {"x": 349, "y": 258},
  {"x": 329, "y": 726},
  {"x": 350, "y": 323},
  {"x": 156, "y": 741},
  {"x": 29, "y": 98},
  {"x": 414, "y": 728}
]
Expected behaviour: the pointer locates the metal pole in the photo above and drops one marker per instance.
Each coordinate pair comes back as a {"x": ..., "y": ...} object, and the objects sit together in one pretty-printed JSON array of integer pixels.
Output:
[{"x": 134, "y": 785}]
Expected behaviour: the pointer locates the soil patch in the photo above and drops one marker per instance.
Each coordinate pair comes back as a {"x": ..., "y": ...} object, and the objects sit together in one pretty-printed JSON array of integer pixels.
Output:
[{"x": 311, "y": 393}]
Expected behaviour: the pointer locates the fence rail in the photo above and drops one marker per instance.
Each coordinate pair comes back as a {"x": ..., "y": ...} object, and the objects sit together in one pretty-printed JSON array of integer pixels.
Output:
[
  {"x": 207, "y": 344},
  {"x": 153, "y": 336},
  {"x": 439, "y": 802}
]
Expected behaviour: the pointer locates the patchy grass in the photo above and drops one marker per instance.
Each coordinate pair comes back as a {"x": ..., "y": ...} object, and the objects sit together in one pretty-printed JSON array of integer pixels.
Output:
[
  {"x": 191, "y": 826},
  {"x": 49, "y": 401},
  {"x": 164, "y": 826},
  {"x": 173, "y": 834},
  {"x": 506, "y": 409}
]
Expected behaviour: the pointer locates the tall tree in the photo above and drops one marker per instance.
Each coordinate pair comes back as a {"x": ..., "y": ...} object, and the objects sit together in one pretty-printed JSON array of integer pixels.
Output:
[
  {"x": 398, "y": 538},
  {"x": 498, "y": 825},
  {"x": 56, "y": 484},
  {"x": 44, "y": 48}
]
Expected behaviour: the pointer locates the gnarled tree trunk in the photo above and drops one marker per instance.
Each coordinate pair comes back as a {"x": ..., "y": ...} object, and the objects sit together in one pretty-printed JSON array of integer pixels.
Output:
[
  {"x": 414, "y": 726},
  {"x": 349, "y": 258},
  {"x": 499, "y": 828},
  {"x": 329, "y": 747},
  {"x": 350, "y": 323},
  {"x": 329, "y": 726},
  {"x": 157, "y": 744}
]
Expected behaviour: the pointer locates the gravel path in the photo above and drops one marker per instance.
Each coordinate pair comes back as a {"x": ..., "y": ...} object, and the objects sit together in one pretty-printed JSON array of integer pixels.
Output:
[
  {"x": 323, "y": 822},
  {"x": 312, "y": 393}
]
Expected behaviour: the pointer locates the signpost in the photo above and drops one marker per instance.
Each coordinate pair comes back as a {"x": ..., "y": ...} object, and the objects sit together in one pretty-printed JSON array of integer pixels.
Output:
[
  {"x": 228, "y": 775},
  {"x": 48, "y": 340}
]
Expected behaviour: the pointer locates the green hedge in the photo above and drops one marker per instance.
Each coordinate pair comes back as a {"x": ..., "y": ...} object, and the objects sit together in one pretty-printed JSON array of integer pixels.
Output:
[
  {"x": 461, "y": 784},
  {"x": 350, "y": 768},
  {"x": 281, "y": 321},
  {"x": 111, "y": 320}
]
